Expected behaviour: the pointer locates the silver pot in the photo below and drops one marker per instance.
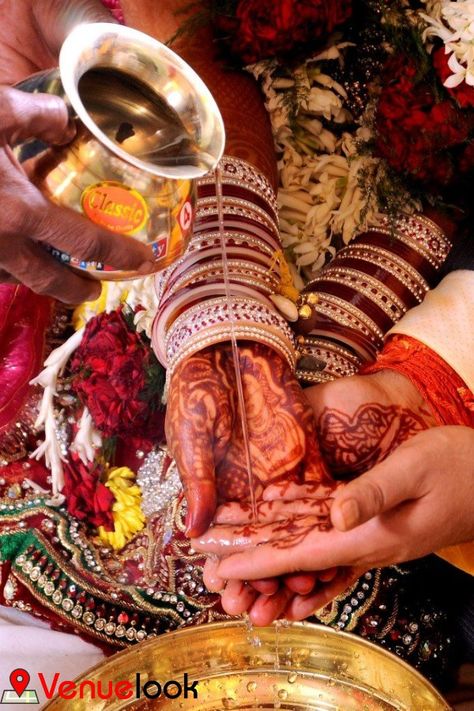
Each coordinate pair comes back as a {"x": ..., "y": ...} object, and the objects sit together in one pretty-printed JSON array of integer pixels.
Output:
[{"x": 147, "y": 128}]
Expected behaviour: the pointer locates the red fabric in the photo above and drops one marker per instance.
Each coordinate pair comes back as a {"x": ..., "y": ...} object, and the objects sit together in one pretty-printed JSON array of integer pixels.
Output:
[{"x": 447, "y": 395}]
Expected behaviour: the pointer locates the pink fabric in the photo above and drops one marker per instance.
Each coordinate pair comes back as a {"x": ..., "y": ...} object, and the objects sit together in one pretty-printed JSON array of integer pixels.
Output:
[
  {"x": 24, "y": 317},
  {"x": 115, "y": 8}
]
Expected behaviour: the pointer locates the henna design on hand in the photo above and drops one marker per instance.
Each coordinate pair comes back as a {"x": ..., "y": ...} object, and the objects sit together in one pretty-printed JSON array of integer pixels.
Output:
[
  {"x": 354, "y": 444},
  {"x": 200, "y": 415},
  {"x": 281, "y": 428},
  {"x": 292, "y": 532},
  {"x": 280, "y": 534},
  {"x": 204, "y": 429}
]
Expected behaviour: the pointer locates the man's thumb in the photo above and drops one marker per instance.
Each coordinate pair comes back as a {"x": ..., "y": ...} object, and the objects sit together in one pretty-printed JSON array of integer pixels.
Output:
[
  {"x": 388, "y": 484},
  {"x": 24, "y": 115}
]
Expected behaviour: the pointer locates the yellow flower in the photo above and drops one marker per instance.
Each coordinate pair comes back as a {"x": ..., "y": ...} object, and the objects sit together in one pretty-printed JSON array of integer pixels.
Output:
[
  {"x": 111, "y": 296},
  {"x": 126, "y": 510}
]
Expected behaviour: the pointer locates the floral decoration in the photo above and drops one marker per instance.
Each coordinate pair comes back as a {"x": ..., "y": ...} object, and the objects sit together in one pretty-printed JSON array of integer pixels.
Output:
[
  {"x": 117, "y": 377},
  {"x": 378, "y": 121},
  {"x": 453, "y": 24},
  {"x": 415, "y": 128},
  {"x": 87, "y": 497},
  {"x": 127, "y": 515},
  {"x": 258, "y": 29}
]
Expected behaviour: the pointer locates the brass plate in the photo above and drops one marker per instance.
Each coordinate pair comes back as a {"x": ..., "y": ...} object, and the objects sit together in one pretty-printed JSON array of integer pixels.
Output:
[{"x": 290, "y": 667}]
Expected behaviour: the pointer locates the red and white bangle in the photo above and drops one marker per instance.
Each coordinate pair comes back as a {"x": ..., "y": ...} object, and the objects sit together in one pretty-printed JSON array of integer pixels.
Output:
[
  {"x": 194, "y": 311},
  {"x": 370, "y": 285},
  {"x": 248, "y": 331},
  {"x": 219, "y": 312},
  {"x": 172, "y": 308}
]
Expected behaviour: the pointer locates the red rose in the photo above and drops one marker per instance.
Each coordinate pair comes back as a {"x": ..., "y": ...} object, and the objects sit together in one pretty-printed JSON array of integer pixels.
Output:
[
  {"x": 463, "y": 93},
  {"x": 466, "y": 159},
  {"x": 414, "y": 129},
  {"x": 87, "y": 498},
  {"x": 110, "y": 372},
  {"x": 263, "y": 28}
]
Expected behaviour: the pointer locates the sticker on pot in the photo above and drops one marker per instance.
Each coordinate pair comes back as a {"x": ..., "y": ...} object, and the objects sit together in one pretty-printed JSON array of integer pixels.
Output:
[
  {"x": 115, "y": 206},
  {"x": 186, "y": 216}
]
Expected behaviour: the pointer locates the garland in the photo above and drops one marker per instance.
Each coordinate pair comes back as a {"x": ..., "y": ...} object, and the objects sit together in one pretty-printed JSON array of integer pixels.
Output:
[{"x": 379, "y": 120}]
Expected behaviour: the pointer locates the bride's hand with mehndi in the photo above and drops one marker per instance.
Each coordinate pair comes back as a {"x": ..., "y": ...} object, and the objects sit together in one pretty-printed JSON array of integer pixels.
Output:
[
  {"x": 204, "y": 429},
  {"x": 360, "y": 421},
  {"x": 397, "y": 511}
]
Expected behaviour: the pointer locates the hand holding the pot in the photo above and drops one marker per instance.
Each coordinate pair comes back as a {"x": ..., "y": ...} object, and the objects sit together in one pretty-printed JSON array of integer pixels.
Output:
[{"x": 30, "y": 36}]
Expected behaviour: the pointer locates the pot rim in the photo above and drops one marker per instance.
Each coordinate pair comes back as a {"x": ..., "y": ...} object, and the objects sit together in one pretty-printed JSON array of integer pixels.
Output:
[{"x": 86, "y": 35}]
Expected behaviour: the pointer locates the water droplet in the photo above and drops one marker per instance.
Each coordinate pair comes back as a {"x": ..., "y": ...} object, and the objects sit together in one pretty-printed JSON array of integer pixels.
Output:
[
  {"x": 228, "y": 702},
  {"x": 251, "y": 686},
  {"x": 292, "y": 678},
  {"x": 283, "y": 694}
]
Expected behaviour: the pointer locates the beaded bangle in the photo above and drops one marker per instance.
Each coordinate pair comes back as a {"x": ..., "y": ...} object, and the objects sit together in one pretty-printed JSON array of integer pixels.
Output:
[
  {"x": 261, "y": 275},
  {"x": 421, "y": 234},
  {"x": 171, "y": 308},
  {"x": 358, "y": 343},
  {"x": 212, "y": 258},
  {"x": 349, "y": 315},
  {"x": 243, "y": 331},
  {"x": 371, "y": 283},
  {"x": 401, "y": 250},
  {"x": 219, "y": 312},
  {"x": 257, "y": 287},
  {"x": 237, "y": 212},
  {"x": 236, "y": 171},
  {"x": 366, "y": 285},
  {"x": 322, "y": 360},
  {"x": 193, "y": 312},
  {"x": 255, "y": 239},
  {"x": 383, "y": 265}
]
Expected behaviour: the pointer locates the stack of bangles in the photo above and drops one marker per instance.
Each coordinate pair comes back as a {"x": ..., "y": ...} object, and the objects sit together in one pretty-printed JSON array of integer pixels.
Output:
[
  {"x": 345, "y": 311},
  {"x": 194, "y": 311},
  {"x": 364, "y": 291}
]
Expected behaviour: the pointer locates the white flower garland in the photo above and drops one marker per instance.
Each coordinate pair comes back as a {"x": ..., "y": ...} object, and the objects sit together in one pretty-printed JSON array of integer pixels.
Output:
[
  {"x": 140, "y": 292},
  {"x": 50, "y": 448},
  {"x": 320, "y": 194},
  {"x": 453, "y": 23}
]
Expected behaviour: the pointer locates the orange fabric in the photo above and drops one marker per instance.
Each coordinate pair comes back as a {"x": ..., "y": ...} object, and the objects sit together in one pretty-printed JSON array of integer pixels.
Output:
[{"x": 446, "y": 394}]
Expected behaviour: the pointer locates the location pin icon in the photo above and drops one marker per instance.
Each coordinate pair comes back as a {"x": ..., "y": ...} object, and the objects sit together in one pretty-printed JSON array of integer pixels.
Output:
[{"x": 19, "y": 679}]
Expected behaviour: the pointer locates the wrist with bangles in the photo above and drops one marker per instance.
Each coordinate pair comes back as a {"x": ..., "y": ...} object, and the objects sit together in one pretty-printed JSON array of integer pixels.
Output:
[
  {"x": 195, "y": 310},
  {"x": 368, "y": 286},
  {"x": 344, "y": 312}
]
